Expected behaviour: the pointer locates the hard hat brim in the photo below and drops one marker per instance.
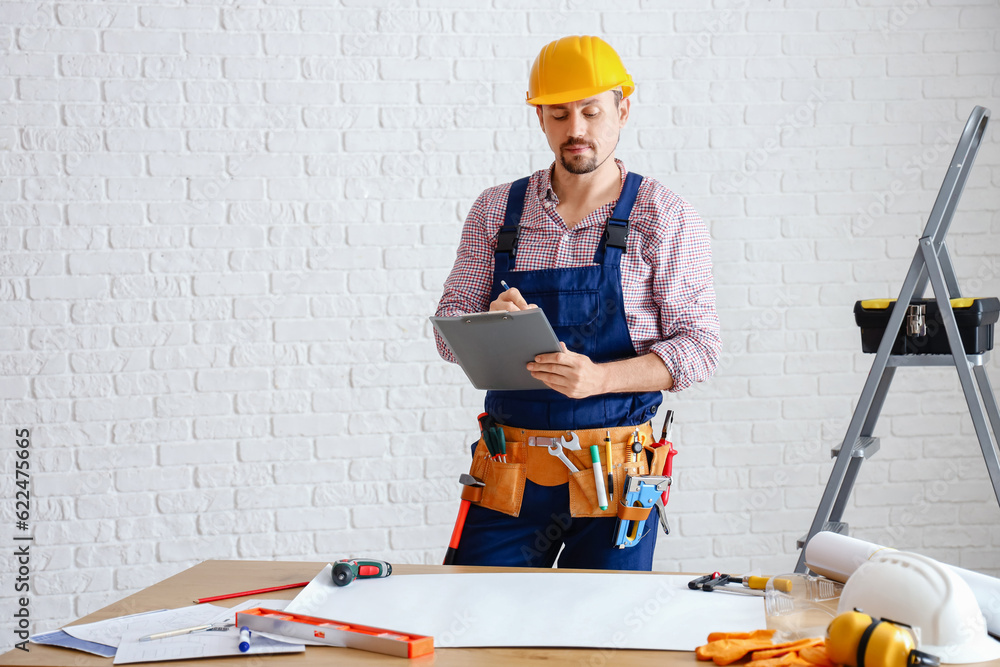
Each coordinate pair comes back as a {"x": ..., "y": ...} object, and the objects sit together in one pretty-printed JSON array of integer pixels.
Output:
[{"x": 581, "y": 94}]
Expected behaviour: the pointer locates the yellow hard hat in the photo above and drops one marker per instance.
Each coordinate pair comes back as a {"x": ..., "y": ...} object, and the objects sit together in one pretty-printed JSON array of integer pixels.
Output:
[{"x": 575, "y": 68}]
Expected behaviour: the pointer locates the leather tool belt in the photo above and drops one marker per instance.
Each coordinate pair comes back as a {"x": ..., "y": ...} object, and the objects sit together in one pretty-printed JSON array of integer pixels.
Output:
[{"x": 504, "y": 482}]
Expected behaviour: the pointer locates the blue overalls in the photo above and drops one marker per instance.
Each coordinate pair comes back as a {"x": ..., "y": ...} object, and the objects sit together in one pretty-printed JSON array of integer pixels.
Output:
[{"x": 585, "y": 307}]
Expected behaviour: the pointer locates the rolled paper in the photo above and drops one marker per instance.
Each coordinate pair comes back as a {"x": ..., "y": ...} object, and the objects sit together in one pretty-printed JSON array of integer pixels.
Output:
[{"x": 837, "y": 556}]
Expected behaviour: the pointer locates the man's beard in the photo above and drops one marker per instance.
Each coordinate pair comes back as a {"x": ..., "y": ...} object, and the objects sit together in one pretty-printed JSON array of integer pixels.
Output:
[{"x": 579, "y": 164}]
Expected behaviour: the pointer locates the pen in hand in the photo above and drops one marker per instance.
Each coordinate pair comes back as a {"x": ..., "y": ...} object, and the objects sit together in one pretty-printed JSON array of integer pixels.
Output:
[{"x": 507, "y": 288}]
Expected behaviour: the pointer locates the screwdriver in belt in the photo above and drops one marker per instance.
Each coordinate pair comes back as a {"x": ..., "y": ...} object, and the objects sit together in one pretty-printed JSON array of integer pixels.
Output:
[
  {"x": 496, "y": 442},
  {"x": 493, "y": 436}
]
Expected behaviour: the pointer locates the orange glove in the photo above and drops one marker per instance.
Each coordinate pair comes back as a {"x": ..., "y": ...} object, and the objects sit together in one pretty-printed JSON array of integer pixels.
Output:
[
  {"x": 786, "y": 659},
  {"x": 724, "y": 648},
  {"x": 817, "y": 655},
  {"x": 756, "y": 634},
  {"x": 778, "y": 650}
]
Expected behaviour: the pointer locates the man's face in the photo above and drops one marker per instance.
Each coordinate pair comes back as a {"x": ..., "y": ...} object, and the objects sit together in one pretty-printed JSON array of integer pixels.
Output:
[{"x": 583, "y": 134}]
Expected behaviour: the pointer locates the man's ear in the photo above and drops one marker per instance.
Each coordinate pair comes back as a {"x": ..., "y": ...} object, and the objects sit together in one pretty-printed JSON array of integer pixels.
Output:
[
  {"x": 538, "y": 111},
  {"x": 623, "y": 110}
]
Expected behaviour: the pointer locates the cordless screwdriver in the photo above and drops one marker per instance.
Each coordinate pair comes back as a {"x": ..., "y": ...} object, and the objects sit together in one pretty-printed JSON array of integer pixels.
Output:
[{"x": 347, "y": 570}]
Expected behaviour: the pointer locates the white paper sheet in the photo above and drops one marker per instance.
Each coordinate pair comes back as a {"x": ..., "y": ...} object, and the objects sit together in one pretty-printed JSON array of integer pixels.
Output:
[
  {"x": 110, "y": 631},
  {"x": 203, "y": 644},
  {"x": 229, "y": 615},
  {"x": 196, "y": 645},
  {"x": 543, "y": 609}
]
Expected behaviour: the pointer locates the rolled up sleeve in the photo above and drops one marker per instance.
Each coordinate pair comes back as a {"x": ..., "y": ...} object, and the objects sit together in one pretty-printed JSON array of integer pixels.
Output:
[
  {"x": 683, "y": 289},
  {"x": 467, "y": 288}
]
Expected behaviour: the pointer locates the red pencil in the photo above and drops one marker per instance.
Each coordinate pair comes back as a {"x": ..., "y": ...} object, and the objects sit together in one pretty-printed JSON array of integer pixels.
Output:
[{"x": 259, "y": 590}]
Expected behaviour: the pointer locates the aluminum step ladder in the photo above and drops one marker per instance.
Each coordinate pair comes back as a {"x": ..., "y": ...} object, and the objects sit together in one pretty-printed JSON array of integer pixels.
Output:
[{"x": 931, "y": 262}]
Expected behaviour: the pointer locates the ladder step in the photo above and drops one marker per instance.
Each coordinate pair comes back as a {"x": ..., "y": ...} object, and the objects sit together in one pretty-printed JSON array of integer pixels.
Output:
[
  {"x": 839, "y": 527},
  {"x": 865, "y": 447},
  {"x": 919, "y": 360}
]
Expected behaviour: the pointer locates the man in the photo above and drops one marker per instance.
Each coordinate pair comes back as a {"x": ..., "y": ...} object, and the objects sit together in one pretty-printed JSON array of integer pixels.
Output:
[{"x": 622, "y": 268}]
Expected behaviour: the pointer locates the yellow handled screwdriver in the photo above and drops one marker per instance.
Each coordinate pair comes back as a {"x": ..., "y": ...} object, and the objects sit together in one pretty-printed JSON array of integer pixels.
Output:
[
  {"x": 760, "y": 583},
  {"x": 747, "y": 581}
]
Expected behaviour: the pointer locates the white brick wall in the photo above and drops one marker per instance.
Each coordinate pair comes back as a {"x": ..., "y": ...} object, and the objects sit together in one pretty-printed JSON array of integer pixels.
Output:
[{"x": 224, "y": 225}]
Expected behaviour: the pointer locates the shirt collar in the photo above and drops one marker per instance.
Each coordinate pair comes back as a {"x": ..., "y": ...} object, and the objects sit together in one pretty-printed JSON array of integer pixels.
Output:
[
  {"x": 547, "y": 194},
  {"x": 545, "y": 191}
]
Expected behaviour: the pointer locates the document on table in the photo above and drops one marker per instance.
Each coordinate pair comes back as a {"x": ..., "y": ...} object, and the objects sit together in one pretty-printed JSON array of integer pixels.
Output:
[
  {"x": 63, "y": 640},
  {"x": 110, "y": 631},
  {"x": 208, "y": 643},
  {"x": 543, "y": 609}
]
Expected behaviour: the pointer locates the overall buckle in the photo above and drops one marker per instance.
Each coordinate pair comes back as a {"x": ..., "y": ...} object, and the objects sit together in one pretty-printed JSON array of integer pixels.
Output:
[
  {"x": 616, "y": 236},
  {"x": 507, "y": 241}
]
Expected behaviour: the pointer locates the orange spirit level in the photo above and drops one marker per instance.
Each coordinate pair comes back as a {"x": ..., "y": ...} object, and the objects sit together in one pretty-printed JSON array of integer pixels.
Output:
[{"x": 335, "y": 633}]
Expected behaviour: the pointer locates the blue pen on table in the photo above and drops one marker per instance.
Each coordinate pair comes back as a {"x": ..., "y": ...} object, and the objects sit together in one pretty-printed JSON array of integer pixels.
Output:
[{"x": 244, "y": 639}]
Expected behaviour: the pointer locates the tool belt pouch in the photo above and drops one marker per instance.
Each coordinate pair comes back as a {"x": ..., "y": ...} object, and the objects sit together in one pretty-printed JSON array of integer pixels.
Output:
[
  {"x": 583, "y": 500},
  {"x": 583, "y": 495},
  {"x": 504, "y": 482},
  {"x": 657, "y": 458}
]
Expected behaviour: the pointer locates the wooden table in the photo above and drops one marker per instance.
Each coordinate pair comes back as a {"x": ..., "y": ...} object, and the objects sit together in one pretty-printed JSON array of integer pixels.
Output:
[{"x": 222, "y": 576}]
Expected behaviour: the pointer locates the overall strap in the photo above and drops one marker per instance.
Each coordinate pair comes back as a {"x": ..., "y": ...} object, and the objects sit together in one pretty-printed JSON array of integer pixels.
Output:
[
  {"x": 506, "y": 248},
  {"x": 615, "y": 238}
]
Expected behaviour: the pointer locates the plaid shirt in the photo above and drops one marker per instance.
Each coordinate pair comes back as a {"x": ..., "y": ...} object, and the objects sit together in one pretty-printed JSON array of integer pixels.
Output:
[{"x": 666, "y": 269}]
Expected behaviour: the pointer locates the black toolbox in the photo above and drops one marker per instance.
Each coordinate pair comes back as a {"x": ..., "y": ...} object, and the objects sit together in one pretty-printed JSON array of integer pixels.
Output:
[{"x": 922, "y": 331}]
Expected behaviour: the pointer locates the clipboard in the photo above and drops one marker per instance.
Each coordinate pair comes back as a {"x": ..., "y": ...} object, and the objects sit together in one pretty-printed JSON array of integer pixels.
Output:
[{"x": 493, "y": 348}]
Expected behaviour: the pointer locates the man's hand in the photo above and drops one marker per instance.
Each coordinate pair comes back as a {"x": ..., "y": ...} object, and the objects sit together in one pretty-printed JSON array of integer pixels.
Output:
[
  {"x": 569, "y": 373},
  {"x": 576, "y": 376},
  {"x": 511, "y": 300}
]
